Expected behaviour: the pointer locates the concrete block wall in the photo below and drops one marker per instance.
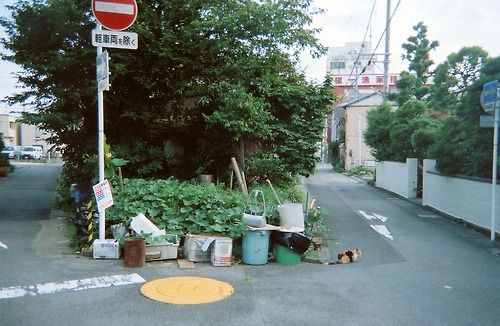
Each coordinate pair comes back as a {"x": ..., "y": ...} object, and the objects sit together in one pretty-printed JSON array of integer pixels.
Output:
[
  {"x": 462, "y": 198},
  {"x": 400, "y": 178}
]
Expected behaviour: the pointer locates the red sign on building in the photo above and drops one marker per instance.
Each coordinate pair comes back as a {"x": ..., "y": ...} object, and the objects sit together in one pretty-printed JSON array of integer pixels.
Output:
[{"x": 115, "y": 15}]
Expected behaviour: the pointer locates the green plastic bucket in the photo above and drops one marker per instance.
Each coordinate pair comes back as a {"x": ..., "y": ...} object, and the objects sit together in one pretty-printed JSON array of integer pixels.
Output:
[
  {"x": 255, "y": 247},
  {"x": 285, "y": 256}
]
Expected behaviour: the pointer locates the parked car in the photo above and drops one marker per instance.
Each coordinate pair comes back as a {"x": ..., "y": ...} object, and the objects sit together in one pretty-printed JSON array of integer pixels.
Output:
[
  {"x": 8, "y": 150},
  {"x": 31, "y": 152}
]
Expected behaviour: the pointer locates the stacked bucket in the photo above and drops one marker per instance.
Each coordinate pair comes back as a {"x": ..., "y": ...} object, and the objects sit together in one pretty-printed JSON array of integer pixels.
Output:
[{"x": 289, "y": 240}]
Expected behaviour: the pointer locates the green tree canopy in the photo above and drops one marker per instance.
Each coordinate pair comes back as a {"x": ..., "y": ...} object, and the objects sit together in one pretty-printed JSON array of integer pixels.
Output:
[
  {"x": 409, "y": 129},
  {"x": 454, "y": 76},
  {"x": 463, "y": 147},
  {"x": 207, "y": 77}
]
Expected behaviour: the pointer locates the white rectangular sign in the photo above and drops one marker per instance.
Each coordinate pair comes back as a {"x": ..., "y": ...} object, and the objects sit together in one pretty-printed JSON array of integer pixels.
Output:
[
  {"x": 103, "y": 71},
  {"x": 103, "y": 195},
  {"x": 115, "y": 39}
]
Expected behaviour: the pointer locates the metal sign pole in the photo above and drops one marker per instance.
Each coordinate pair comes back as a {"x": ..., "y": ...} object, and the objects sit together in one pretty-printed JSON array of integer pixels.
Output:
[
  {"x": 100, "y": 131},
  {"x": 495, "y": 167}
]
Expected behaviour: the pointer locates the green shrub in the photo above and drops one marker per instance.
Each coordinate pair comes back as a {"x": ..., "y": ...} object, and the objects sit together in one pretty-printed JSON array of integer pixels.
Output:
[
  {"x": 179, "y": 207},
  {"x": 189, "y": 207}
]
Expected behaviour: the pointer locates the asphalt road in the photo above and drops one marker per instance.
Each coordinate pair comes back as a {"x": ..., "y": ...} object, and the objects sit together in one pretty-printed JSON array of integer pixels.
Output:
[{"x": 416, "y": 268}]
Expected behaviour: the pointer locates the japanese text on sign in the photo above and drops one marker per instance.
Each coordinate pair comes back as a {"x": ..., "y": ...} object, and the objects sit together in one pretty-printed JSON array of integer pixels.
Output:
[
  {"x": 114, "y": 39},
  {"x": 103, "y": 195}
]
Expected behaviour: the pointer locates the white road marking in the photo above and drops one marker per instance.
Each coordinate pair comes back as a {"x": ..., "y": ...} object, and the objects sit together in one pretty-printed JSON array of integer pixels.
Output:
[
  {"x": 448, "y": 287},
  {"x": 373, "y": 216},
  {"x": 380, "y": 217},
  {"x": 74, "y": 285},
  {"x": 367, "y": 216},
  {"x": 3, "y": 245},
  {"x": 382, "y": 229}
]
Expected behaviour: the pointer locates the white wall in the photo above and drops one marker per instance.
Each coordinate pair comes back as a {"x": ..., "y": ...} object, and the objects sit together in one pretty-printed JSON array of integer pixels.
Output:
[
  {"x": 466, "y": 199},
  {"x": 400, "y": 178}
]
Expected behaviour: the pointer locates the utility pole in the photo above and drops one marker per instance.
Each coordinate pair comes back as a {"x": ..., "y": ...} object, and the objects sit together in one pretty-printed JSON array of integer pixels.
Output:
[{"x": 387, "y": 48}]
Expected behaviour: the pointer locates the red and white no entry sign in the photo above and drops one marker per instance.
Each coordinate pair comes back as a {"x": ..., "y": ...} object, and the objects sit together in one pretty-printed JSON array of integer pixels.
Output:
[{"x": 116, "y": 15}]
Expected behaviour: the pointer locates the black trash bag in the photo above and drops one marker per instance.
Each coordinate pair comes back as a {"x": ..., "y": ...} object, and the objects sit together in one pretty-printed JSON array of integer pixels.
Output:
[{"x": 298, "y": 242}]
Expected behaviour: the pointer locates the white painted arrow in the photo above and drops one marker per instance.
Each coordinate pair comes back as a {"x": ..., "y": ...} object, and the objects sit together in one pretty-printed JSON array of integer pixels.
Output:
[
  {"x": 383, "y": 230},
  {"x": 380, "y": 217},
  {"x": 367, "y": 216},
  {"x": 3, "y": 245}
]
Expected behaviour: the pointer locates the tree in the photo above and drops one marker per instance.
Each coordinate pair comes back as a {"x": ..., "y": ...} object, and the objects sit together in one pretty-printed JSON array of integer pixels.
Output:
[
  {"x": 463, "y": 147},
  {"x": 196, "y": 89},
  {"x": 409, "y": 130},
  {"x": 418, "y": 49},
  {"x": 454, "y": 76},
  {"x": 377, "y": 134},
  {"x": 413, "y": 84}
]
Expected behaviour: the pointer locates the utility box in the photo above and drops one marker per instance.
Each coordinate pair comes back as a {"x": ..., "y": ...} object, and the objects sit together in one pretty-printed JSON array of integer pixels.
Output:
[{"x": 106, "y": 249}]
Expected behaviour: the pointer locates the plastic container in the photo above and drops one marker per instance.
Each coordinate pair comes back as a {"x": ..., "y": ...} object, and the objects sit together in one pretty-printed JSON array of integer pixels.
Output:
[
  {"x": 161, "y": 251},
  {"x": 255, "y": 247},
  {"x": 141, "y": 224},
  {"x": 291, "y": 216},
  {"x": 285, "y": 256},
  {"x": 106, "y": 249}
]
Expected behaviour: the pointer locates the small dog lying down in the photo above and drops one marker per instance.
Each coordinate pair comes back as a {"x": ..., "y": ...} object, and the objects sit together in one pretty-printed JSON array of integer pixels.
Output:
[{"x": 348, "y": 256}]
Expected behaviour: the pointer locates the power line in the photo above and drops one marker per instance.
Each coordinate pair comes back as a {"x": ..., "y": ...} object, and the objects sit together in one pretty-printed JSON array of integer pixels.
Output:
[
  {"x": 364, "y": 38},
  {"x": 378, "y": 43}
]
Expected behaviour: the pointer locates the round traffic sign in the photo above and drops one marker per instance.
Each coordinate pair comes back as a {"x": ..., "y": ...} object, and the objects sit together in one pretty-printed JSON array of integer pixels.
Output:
[{"x": 116, "y": 15}]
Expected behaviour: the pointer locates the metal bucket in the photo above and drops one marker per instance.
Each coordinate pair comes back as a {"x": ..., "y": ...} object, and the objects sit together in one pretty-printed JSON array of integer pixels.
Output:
[{"x": 134, "y": 253}]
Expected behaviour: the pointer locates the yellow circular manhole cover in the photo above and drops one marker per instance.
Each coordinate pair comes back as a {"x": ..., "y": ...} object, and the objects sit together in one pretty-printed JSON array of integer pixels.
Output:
[{"x": 187, "y": 290}]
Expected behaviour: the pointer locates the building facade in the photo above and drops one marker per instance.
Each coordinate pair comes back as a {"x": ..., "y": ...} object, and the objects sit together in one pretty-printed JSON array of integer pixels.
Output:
[
  {"x": 358, "y": 78},
  {"x": 19, "y": 134},
  {"x": 9, "y": 130}
]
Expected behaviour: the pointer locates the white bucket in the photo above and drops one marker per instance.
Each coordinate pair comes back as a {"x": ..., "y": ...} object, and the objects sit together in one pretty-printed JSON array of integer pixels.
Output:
[{"x": 292, "y": 216}]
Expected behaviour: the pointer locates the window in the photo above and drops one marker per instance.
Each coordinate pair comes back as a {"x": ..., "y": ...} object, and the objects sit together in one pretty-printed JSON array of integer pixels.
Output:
[
  {"x": 38, "y": 132},
  {"x": 380, "y": 79},
  {"x": 394, "y": 79},
  {"x": 365, "y": 80},
  {"x": 337, "y": 65},
  {"x": 338, "y": 80}
]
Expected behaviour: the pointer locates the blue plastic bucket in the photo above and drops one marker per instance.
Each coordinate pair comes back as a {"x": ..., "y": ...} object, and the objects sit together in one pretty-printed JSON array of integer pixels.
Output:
[{"x": 255, "y": 247}]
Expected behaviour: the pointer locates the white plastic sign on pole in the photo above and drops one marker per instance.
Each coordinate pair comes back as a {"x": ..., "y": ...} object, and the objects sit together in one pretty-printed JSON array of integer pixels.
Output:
[{"x": 103, "y": 195}]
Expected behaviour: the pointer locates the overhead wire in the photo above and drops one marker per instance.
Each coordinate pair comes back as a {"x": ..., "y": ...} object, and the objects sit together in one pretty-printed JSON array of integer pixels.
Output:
[
  {"x": 376, "y": 47},
  {"x": 364, "y": 38}
]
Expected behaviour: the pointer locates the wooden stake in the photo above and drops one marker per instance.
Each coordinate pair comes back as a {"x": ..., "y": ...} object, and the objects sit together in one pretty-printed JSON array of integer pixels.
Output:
[{"x": 238, "y": 176}]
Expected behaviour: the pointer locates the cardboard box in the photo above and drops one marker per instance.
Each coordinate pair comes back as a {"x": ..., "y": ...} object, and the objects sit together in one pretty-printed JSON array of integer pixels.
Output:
[
  {"x": 222, "y": 252},
  {"x": 106, "y": 249}
]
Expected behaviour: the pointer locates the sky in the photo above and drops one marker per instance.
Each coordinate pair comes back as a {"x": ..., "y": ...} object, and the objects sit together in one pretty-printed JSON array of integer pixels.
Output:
[{"x": 454, "y": 24}]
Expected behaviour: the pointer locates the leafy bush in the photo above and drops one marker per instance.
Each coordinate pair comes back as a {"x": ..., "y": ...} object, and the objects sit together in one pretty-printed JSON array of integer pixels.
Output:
[
  {"x": 188, "y": 207},
  {"x": 264, "y": 165},
  {"x": 179, "y": 207}
]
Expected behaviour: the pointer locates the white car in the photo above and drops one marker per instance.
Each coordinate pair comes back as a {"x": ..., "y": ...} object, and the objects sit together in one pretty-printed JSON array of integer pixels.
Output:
[
  {"x": 8, "y": 150},
  {"x": 31, "y": 152}
]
